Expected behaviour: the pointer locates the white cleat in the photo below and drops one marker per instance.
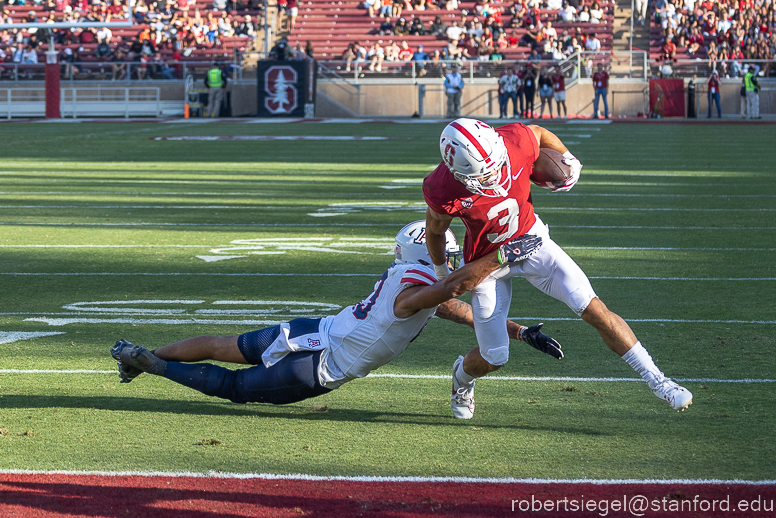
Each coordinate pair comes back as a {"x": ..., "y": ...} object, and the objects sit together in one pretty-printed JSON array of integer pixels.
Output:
[
  {"x": 677, "y": 396},
  {"x": 462, "y": 400}
]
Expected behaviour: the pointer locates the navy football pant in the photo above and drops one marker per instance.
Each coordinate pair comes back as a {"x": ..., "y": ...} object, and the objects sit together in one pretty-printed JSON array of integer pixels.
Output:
[{"x": 293, "y": 378}]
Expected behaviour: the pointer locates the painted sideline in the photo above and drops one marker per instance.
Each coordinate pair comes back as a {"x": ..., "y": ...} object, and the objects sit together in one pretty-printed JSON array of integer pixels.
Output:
[{"x": 343, "y": 478}]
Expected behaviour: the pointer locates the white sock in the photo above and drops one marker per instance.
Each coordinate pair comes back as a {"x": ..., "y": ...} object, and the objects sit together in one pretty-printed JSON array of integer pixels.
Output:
[
  {"x": 461, "y": 377},
  {"x": 638, "y": 358}
]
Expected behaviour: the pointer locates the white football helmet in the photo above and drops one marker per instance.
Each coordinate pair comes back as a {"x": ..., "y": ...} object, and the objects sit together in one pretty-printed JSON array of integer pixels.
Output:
[
  {"x": 477, "y": 157},
  {"x": 411, "y": 246}
]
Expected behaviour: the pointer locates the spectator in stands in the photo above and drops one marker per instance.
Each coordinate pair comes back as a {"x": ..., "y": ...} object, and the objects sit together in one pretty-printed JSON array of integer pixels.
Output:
[
  {"x": 354, "y": 52},
  {"x": 215, "y": 81},
  {"x": 712, "y": 84},
  {"x": 529, "y": 89},
  {"x": 420, "y": 57},
  {"x": 641, "y": 11},
  {"x": 405, "y": 52},
  {"x": 67, "y": 60},
  {"x": 584, "y": 14},
  {"x": 438, "y": 27},
  {"x": 668, "y": 50},
  {"x": 417, "y": 28},
  {"x": 282, "y": 50},
  {"x": 453, "y": 51},
  {"x": 103, "y": 49},
  {"x": 401, "y": 29},
  {"x": 392, "y": 51},
  {"x": 596, "y": 13},
  {"x": 376, "y": 56},
  {"x": 396, "y": 8},
  {"x": 567, "y": 13},
  {"x": 601, "y": 85},
  {"x": 386, "y": 27},
  {"x": 593, "y": 44},
  {"x": 246, "y": 28},
  {"x": 118, "y": 66},
  {"x": 372, "y": 7},
  {"x": 453, "y": 88},
  {"x": 454, "y": 32}
]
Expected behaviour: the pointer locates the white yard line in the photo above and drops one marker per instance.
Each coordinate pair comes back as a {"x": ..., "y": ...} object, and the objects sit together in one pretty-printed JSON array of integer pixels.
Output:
[
  {"x": 257, "y": 274},
  {"x": 444, "y": 377},
  {"x": 468, "y": 480}
]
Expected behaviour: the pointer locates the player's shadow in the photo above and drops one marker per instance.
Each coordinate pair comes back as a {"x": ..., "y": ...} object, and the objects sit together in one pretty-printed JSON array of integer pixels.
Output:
[{"x": 307, "y": 411}]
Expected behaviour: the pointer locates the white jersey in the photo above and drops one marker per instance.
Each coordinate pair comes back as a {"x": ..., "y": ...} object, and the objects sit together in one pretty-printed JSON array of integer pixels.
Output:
[{"x": 365, "y": 336}]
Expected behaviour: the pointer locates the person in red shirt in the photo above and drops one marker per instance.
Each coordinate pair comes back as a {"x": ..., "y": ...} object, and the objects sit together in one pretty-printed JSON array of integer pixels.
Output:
[
  {"x": 668, "y": 50},
  {"x": 601, "y": 85},
  {"x": 484, "y": 179},
  {"x": 559, "y": 91},
  {"x": 713, "y": 86}
]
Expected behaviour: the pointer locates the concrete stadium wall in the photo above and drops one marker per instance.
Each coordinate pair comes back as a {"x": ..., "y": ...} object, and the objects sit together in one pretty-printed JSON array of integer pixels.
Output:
[{"x": 627, "y": 97}]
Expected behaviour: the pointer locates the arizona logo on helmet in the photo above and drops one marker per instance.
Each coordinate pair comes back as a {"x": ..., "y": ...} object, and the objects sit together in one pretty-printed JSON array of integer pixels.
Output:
[{"x": 280, "y": 86}]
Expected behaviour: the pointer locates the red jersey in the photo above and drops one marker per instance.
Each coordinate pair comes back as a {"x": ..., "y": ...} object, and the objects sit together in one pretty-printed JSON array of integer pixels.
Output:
[
  {"x": 600, "y": 80},
  {"x": 489, "y": 221},
  {"x": 713, "y": 85},
  {"x": 559, "y": 82}
]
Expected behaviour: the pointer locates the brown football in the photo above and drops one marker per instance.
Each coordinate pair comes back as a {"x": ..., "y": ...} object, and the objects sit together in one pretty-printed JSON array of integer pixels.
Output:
[{"x": 549, "y": 171}]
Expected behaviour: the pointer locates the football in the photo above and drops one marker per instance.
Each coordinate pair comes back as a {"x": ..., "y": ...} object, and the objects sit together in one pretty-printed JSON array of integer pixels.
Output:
[{"x": 549, "y": 170}]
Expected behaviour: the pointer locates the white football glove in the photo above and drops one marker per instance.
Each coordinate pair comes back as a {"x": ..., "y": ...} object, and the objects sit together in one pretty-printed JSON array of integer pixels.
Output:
[
  {"x": 441, "y": 271},
  {"x": 576, "y": 168}
]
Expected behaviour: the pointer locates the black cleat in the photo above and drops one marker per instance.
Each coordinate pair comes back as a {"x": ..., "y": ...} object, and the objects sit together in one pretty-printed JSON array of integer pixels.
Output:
[{"x": 126, "y": 372}]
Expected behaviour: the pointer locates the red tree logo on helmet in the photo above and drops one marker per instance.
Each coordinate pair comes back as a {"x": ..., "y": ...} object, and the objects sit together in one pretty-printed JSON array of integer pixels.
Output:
[
  {"x": 280, "y": 85},
  {"x": 449, "y": 155}
]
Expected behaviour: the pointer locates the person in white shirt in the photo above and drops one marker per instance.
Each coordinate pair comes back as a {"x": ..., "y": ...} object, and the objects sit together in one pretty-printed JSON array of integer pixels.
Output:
[
  {"x": 568, "y": 13},
  {"x": 453, "y": 88},
  {"x": 454, "y": 31},
  {"x": 306, "y": 357}
]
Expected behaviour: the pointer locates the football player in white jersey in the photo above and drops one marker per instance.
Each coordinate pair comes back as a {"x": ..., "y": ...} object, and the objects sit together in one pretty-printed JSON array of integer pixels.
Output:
[{"x": 305, "y": 358}]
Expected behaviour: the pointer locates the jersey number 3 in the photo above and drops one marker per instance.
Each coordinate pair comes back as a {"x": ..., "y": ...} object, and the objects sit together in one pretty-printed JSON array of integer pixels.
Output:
[{"x": 510, "y": 219}]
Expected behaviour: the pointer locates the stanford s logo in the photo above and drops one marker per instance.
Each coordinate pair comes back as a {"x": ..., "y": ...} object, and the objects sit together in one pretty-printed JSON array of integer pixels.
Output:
[
  {"x": 280, "y": 85},
  {"x": 449, "y": 155}
]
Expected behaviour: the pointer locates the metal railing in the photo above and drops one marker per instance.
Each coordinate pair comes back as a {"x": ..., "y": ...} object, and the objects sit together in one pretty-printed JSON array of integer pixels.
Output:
[
  {"x": 118, "y": 71},
  {"x": 687, "y": 68},
  {"x": 80, "y": 101}
]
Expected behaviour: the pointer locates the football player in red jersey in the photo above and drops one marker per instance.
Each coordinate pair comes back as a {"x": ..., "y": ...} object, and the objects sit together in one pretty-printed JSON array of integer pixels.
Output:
[{"x": 484, "y": 180}]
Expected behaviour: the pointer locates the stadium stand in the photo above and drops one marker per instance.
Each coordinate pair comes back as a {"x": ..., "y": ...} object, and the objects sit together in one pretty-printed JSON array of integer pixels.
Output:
[
  {"x": 332, "y": 26},
  {"x": 183, "y": 30},
  {"x": 720, "y": 34}
]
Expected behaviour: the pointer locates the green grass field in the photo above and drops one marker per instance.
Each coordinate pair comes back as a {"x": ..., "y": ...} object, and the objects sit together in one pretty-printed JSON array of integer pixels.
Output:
[{"x": 674, "y": 224}]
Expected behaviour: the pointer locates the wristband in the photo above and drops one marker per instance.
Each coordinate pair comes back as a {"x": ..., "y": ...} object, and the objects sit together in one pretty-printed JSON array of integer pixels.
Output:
[{"x": 441, "y": 271}]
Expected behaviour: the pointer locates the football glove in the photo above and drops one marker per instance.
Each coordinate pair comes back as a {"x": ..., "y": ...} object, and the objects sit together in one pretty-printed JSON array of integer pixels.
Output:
[
  {"x": 576, "y": 168},
  {"x": 519, "y": 248},
  {"x": 534, "y": 337}
]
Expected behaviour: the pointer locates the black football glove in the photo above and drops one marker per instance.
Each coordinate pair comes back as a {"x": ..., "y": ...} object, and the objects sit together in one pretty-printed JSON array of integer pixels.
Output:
[
  {"x": 519, "y": 248},
  {"x": 534, "y": 337}
]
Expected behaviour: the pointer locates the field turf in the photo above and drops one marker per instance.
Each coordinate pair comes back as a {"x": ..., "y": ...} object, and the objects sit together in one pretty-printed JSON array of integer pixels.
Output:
[{"x": 100, "y": 232}]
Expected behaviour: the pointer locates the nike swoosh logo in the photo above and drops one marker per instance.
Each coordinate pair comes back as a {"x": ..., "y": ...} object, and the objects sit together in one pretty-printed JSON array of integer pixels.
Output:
[{"x": 514, "y": 176}]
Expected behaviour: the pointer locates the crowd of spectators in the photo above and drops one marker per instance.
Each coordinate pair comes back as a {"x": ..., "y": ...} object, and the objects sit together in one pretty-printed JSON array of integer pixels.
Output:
[
  {"x": 724, "y": 33},
  {"x": 168, "y": 30},
  {"x": 483, "y": 34}
]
